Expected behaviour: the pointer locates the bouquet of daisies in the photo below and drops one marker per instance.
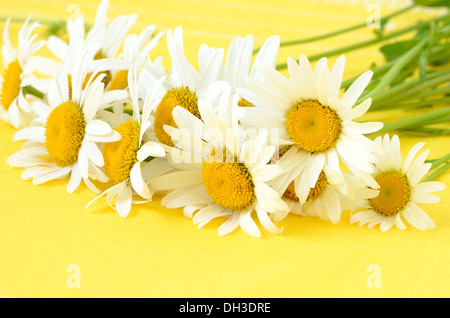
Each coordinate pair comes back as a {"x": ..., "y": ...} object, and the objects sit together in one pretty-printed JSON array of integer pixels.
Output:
[{"x": 235, "y": 139}]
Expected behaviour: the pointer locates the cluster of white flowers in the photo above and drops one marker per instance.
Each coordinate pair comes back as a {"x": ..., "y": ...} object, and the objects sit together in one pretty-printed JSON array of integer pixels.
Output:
[{"x": 235, "y": 139}]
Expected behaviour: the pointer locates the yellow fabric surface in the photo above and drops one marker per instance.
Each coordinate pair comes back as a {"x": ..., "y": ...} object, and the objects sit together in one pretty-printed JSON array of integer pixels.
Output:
[{"x": 155, "y": 252}]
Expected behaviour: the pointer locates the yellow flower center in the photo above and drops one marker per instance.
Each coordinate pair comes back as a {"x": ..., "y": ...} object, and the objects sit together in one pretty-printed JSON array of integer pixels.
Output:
[
  {"x": 105, "y": 80},
  {"x": 394, "y": 193},
  {"x": 119, "y": 81},
  {"x": 69, "y": 81},
  {"x": 281, "y": 153},
  {"x": 321, "y": 183},
  {"x": 312, "y": 126},
  {"x": 228, "y": 182},
  {"x": 11, "y": 84},
  {"x": 64, "y": 132},
  {"x": 120, "y": 156},
  {"x": 163, "y": 115},
  {"x": 99, "y": 56},
  {"x": 245, "y": 103}
]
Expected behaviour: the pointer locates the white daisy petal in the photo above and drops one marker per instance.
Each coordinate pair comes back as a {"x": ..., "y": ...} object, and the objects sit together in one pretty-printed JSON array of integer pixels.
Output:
[
  {"x": 321, "y": 79},
  {"x": 266, "y": 222},
  {"x": 75, "y": 178},
  {"x": 152, "y": 149},
  {"x": 111, "y": 137},
  {"x": 98, "y": 127},
  {"x": 387, "y": 223},
  {"x": 358, "y": 111},
  {"x": 355, "y": 90},
  {"x": 176, "y": 199},
  {"x": 14, "y": 114},
  {"x": 361, "y": 217},
  {"x": 307, "y": 76},
  {"x": 417, "y": 217},
  {"x": 189, "y": 210},
  {"x": 267, "y": 55},
  {"x": 399, "y": 223},
  {"x": 33, "y": 133},
  {"x": 418, "y": 197},
  {"x": 112, "y": 192},
  {"x": 429, "y": 186},
  {"x": 248, "y": 225},
  {"x": 83, "y": 160},
  {"x": 58, "y": 174},
  {"x": 174, "y": 180},
  {"x": 37, "y": 171},
  {"x": 138, "y": 183},
  {"x": 230, "y": 224},
  {"x": 123, "y": 201},
  {"x": 205, "y": 215},
  {"x": 418, "y": 174},
  {"x": 336, "y": 77},
  {"x": 410, "y": 156},
  {"x": 94, "y": 153}
]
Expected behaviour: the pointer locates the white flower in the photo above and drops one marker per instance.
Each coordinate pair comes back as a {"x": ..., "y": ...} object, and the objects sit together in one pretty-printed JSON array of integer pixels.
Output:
[
  {"x": 109, "y": 37},
  {"x": 62, "y": 139},
  {"x": 238, "y": 67},
  {"x": 184, "y": 85},
  {"x": 230, "y": 180},
  {"x": 14, "y": 108},
  {"x": 311, "y": 118},
  {"x": 133, "y": 45},
  {"x": 400, "y": 189},
  {"x": 124, "y": 159},
  {"x": 325, "y": 200}
]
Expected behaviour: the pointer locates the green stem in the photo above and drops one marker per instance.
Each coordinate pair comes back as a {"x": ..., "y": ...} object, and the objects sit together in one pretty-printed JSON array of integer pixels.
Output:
[
  {"x": 436, "y": 54},
  {"x": 395, "y": 69},
  {"x": 369, "y": 42},
  {"x": 341, "y": 31},
  {"x": 438, "y": 120},
  {"x": 44, "y": 21},
  {"x": 432, "y": 92},
  {"x": 430, "y": 102},
  {"x": 404, "y": 90},
  {"x": 33, "y": 91},
  {"x": 54, "y": 24},
  {"x": 437, "y": 173},
  {"x": 127, "y": 111},
  {"x": 377, "y": 71},
  {"x": 438, "y": 162},
  {"x": 415, "y": 120},
  {"x": 427, "y": 132}
]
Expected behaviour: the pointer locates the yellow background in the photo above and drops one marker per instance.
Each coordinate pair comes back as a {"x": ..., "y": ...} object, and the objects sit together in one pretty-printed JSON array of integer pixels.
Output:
[{"x": 159, "y": 253}]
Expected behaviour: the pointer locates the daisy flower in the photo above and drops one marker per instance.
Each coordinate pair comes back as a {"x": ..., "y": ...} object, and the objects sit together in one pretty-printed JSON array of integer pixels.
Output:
[
  {"x": 400, "y": 189},
  {"x": 238, "y": 67},
  {"x": 62, "y": 140},
  {"x": 110, "y": 36},
  {"x": 132, "y": 45},
  {"x": 232, "y": 179},
  {"x": 325, "y": 200},
  {"x": 185, "y": 85},
  {"x": 18, "y": 74},
  {"x": 310, "y": 117},
  {"x": 124, "y": 158}
]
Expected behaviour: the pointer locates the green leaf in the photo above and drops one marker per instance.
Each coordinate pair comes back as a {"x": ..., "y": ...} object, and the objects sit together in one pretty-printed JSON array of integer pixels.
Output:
[
  {"x": 57, "y": 28},
  {"x": 433, "y": 3},
  {"x": 440, "y": 62},
  {"x": 394, "y": 50},
  {"x": 423, "y": 65}
]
